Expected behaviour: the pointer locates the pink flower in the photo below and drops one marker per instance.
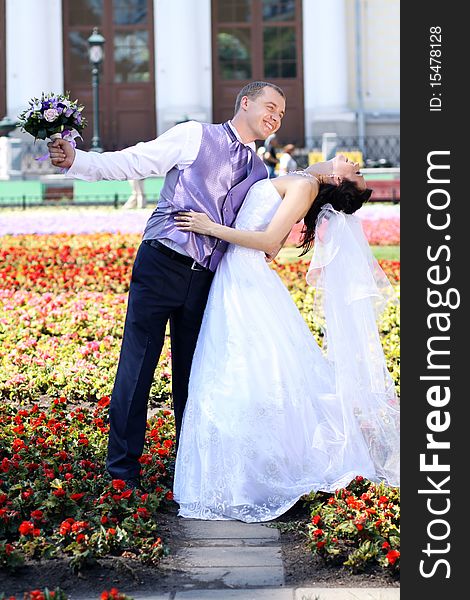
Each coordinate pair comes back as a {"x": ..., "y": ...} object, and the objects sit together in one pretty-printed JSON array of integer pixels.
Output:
[{"x": 51, "y": 114}]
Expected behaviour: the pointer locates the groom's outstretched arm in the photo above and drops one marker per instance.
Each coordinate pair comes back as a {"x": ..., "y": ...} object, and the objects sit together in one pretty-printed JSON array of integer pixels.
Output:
[{"x": 177, "y": 146}]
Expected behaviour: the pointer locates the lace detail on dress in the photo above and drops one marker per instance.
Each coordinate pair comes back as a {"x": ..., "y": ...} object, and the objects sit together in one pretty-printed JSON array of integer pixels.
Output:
[{"x": 271, "y": 507}]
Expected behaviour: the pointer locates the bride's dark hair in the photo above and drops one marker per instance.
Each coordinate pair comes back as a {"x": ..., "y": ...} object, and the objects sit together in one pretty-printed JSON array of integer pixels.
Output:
[{"x": 345, "y": 197}]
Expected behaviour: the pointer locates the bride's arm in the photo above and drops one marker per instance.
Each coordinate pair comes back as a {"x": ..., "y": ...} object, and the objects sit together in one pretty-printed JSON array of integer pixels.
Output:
[
  {"x": 298, "y": 194},
  {"x": 272, "y": 255}
]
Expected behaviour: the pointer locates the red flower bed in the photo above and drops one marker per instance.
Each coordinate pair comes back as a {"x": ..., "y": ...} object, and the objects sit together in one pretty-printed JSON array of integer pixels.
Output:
[
  {"x": 293, "y": 273},
  {"x": 95, "y": 262},
  {"x": 58, "y": 594},
  {"x": 55, "y": 498},
  {"x": 357, "y": 526},
  {"x": 57, "y": 263}
]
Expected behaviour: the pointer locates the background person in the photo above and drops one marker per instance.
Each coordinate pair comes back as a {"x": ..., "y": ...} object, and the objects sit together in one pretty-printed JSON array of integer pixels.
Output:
[
  {"x": 287, "y": 162},
  {"x": 137, "y": 198},
  {"x": 271, "y": 146}
]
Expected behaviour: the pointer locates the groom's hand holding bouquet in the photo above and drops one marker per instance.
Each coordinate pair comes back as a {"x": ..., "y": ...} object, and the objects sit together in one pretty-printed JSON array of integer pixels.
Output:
[
  {"x": 62, "y": 153},
  {"x": 57, "y": 117}
]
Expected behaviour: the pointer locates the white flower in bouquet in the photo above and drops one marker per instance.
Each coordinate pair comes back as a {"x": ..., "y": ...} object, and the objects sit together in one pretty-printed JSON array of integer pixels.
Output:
[{"x": 53, "y": 115}]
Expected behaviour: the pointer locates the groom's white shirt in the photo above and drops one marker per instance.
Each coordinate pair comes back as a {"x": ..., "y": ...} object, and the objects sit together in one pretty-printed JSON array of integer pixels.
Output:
[{"x": 179, "y": 146}]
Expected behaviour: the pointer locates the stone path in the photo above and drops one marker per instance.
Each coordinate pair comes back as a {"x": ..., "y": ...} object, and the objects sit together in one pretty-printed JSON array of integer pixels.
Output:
[
  {"x": 245, "y": 562},
  {"x": 233, "y": 553}
]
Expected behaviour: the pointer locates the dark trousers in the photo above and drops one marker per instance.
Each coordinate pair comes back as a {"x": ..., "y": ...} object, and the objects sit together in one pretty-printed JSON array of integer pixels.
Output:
[{"x": 161, "y": 289}]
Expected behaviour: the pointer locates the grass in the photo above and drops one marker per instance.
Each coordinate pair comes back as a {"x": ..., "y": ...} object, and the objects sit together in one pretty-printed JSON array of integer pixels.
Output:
[
  {"x": 386, "y": 252},
  {"x": 291, "y": 254}
]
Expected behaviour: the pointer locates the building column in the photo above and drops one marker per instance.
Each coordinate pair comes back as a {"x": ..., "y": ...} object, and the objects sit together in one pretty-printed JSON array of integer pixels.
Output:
[
  {"x": 183, "y": 61},
  {"x": 325, "y": 57},
  {"x": 34, "y": 52}
]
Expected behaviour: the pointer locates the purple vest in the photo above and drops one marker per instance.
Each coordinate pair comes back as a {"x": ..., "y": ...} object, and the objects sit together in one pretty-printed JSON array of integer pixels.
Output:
[{"x": 203, "y": 187}]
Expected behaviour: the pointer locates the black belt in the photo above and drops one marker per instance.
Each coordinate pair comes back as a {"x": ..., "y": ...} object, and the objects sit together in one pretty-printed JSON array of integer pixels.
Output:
[{"x": 182, "y": 258}]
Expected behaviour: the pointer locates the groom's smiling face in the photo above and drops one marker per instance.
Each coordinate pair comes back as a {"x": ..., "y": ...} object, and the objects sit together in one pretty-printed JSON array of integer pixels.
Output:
[{"x": 265, "y": 112}]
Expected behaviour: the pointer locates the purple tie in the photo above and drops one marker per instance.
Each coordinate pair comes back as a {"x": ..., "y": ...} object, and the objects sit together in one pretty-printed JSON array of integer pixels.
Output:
[{"x": 238, "y": 157}]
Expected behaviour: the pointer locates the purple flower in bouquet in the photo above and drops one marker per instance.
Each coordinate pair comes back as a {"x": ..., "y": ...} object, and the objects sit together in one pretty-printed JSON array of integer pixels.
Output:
[
  {"x": 65, "y": 108},
  {"x": 53, "y": 115}
]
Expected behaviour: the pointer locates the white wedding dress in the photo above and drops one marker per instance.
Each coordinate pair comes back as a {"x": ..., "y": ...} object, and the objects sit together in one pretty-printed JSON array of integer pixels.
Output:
[{"x": 269, "y": 417}]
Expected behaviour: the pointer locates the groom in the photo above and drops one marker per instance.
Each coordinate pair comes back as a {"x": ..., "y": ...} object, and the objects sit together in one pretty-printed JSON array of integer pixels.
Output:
[{"x": 208, "y": 168}]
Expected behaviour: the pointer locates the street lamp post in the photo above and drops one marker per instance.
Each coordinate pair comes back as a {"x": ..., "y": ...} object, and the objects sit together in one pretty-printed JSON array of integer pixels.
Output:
[{"x": 96, "y": 54}]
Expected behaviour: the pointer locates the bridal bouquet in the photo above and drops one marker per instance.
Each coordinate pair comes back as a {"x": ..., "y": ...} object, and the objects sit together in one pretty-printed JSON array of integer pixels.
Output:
[{"x": 53, "y": 116}]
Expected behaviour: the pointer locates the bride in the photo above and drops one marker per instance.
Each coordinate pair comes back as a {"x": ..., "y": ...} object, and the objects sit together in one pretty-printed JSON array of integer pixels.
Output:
[{"x": 269, "y": 416}]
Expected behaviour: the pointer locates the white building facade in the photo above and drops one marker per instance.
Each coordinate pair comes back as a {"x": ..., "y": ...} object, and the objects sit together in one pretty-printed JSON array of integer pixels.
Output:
[{"x": 167, "y": 61}]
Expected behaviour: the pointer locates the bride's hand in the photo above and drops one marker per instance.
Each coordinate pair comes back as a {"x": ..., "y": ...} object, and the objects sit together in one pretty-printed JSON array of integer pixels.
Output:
[
  {"x": 194, "y": 221},
  {"x": 269, "y": 257}
]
